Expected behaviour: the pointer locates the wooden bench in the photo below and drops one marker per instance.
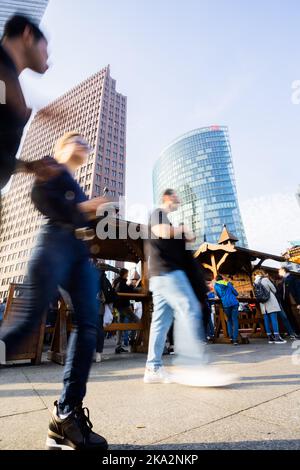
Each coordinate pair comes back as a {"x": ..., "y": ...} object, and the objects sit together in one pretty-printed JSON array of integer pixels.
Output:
[
  {"x": 64, "y": 326},
  {"x": 32, "y": 346},
  {"x": 249, "y": 327}
]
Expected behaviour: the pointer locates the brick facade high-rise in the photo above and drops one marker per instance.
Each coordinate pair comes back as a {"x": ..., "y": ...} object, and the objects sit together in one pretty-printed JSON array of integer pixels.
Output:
[{"x": 97, "y": 111}]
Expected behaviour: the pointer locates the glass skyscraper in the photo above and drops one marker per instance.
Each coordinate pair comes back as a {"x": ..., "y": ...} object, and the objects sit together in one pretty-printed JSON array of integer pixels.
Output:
[
  {"x": 198, "y": 165},
  {"x": 33, "y": 8}
]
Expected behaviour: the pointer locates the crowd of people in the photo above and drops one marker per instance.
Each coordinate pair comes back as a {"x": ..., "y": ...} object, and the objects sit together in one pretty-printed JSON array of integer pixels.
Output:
[{"x": 183, "y": 301}]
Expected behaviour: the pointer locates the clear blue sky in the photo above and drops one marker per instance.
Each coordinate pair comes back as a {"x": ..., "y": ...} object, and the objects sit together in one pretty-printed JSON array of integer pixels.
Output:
[{"x": 185, "y": 64}]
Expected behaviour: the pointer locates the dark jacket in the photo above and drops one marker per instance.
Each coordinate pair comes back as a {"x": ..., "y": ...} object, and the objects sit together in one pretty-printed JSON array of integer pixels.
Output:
[
  {"x": 58, "y": 198},
  {"x": 195, "y": 274},
  {"x": 109, "y": 293},
  {"x": 226, "y": 293},
  {"x": 120, "y": 286},
  {"x": 13, "y": 117}
]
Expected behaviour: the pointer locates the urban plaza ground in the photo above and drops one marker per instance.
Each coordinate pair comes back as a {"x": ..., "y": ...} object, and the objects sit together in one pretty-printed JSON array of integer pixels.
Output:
[{"x": 261, "y": 411}]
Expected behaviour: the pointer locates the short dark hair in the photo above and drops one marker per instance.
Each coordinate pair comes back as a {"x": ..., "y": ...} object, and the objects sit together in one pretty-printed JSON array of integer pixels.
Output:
[
  {"x": 123, "y": 271},
  {"x": 219, "y": 277},
  {"x": 17, "y": 24}
]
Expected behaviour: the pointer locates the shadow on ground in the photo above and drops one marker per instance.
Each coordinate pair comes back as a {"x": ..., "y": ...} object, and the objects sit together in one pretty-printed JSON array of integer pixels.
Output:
[{"x": 280, "y": 444}]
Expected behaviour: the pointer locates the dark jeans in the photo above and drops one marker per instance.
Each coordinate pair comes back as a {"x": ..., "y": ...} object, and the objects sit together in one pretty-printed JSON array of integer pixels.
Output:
[
  {"x": 170, "y": 335},
  {"x": 123, "y": 314},
  {"x": 209, "y": 329},
  {"x": 283, "y": 317},
  {"x": 232, "y": 314},
  {"x": 60, "y": 259},
  {"x": 100, "y": 331}
]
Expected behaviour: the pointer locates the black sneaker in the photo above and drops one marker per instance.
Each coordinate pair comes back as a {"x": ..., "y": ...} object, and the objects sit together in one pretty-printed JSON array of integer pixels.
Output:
[
  {"x": 271, "y": 339},
  {"x": 120, "y": 350},
  {"x": 279, "y": 340},
  {"x": 235, "y": 343},
  {"x": 293, "y": 336},
  {"x": 74, "y": 432}
]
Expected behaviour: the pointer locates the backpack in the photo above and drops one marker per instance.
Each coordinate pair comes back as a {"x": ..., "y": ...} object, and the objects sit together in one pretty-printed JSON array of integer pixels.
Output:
[{"x": 261, "y": 293}]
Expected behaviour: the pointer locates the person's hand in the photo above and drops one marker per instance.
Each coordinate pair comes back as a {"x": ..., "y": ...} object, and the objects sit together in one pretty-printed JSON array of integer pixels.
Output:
[
  {"x": 97, "y": 206},
  {"x": 100, "y": 202},
  {"x": 188, "y": 234}
]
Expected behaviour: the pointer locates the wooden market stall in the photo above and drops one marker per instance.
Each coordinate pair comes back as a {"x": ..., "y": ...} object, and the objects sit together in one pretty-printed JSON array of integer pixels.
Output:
[
  {"x": 237, "y": 264},
  {"x": 120, "y": 246}
]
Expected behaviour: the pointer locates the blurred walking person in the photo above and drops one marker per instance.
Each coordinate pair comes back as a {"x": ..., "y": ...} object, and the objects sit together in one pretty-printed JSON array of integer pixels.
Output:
[
  {"x": 265, "y": 292},
  {"x": 171, "y": 267},
  {"x": 228, "y": 296},
  {"x": 61, "y": 258},
  {"x": 23, "y": 46},
  {"x": 290, "y": 297},
  {"x": 123, "y": 306}
]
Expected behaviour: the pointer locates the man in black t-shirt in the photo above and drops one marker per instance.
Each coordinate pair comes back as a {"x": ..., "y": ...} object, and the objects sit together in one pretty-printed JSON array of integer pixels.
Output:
[{"x": 173, "y": 294}]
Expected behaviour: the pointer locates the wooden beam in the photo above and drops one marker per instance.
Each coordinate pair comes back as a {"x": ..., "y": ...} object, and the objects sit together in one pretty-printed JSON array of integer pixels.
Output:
[
  {"x": 222, "y": 260},
  {"x": 208, "y": 266},
  {"x": 214, "y": 265},
  {"x": 124, "y": 326}
]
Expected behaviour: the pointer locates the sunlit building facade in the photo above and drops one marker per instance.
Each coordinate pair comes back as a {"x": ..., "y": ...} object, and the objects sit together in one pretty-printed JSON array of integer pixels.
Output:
[{"x": 98, "y": 112}]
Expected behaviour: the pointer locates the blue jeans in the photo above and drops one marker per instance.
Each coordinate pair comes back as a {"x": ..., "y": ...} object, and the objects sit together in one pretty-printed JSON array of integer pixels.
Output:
[
  {"x": 271, "y": 317},
  {"x": 232, "y": 314},
  {"x": 173, "y": 295},
  {"x": 59, "y": 259}
]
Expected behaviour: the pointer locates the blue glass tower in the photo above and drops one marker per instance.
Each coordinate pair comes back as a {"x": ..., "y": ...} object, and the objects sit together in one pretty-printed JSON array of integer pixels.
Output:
[{"x": 198, "y": 165}]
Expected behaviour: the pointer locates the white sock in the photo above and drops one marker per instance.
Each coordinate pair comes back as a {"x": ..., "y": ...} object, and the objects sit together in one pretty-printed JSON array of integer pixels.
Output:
[
  {"x": 64, "y": 415},
  {"x": 57, "y": 413}
]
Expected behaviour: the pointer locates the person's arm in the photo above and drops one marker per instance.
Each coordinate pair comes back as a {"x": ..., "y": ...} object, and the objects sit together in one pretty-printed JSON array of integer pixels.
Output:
[
  {"x": 14, "y": 98},
  {"x": 235, "y": 292},
  {"x": 90, "y": 207},
  {"x": 216, "y": 288},
  {"x": 166, "y": 231},
  {"x": 267, "y": 283}
]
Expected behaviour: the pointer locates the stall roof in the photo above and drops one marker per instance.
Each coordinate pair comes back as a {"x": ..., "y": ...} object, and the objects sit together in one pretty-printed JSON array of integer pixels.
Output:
[
  {"x": 120, "y": 245},
  {"x": 237, "y": 258}
]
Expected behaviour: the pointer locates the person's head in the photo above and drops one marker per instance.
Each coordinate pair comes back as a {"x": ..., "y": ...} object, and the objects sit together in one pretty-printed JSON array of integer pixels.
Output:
[
  {"x": 259, "y": 272},
  {"x": 30, "y": 42},
  {"x": 124, "y": 273},
  {"x": 219, "y": 278},
  {"x": 71, "y": 150},
  {"x": 134, "y": 278},
  {"x": 283, "y": 271},
  {"x": 170, "y": 200}
]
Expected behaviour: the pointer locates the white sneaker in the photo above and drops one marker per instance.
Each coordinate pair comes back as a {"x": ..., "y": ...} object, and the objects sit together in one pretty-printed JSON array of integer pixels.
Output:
[
  {"x": 203, "y": 377},
  {"x": 157, "y": 376},
  {"x": 98, "y": 357}
]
